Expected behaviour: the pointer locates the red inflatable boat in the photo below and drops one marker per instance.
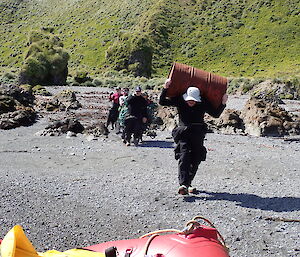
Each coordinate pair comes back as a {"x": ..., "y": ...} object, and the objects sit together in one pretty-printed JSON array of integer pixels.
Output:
[{"x": 195, "y": 240}]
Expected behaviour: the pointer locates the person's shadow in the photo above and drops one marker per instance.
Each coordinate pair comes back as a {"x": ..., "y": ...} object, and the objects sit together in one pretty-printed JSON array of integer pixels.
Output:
[
  {"x": 277, "y": 204},
  {"x": 157, "y": 144}
]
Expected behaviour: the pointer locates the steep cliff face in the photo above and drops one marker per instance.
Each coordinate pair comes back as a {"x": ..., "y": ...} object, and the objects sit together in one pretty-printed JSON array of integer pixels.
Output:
[{"x": 230, "y": 37}]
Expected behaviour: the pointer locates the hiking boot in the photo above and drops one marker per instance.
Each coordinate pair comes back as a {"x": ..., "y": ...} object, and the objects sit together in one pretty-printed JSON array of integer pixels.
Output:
[
  {"x": 127, "y": 144},
  {"x": 183, "y": 190},
  {"x": 192, "y": 189}
]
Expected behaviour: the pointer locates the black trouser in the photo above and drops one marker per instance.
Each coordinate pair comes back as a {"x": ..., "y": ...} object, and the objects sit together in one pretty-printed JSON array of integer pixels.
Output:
[
  {"x": 189, "y": 152},
  {"x": 132, "y": 126},
  {"x": 113, "y": 115}
]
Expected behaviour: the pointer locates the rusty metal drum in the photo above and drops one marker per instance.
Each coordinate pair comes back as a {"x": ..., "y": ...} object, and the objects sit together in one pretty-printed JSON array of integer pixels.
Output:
[{"x": 212, "y": 86}]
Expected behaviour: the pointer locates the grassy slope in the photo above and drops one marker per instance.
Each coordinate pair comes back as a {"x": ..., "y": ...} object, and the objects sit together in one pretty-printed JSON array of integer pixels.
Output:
[
  {"x": 239, "y": 39},
  {"x": 229, "y": 37},
  {"x": 87, "y": 28}
]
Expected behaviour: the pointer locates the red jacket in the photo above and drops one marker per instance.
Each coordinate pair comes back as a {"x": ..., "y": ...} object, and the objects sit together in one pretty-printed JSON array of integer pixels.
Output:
[{"x": 115, "y": 97}]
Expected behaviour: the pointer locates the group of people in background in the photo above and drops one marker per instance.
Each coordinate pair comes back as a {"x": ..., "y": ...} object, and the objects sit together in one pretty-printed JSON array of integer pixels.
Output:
[{"x": 130, "y": 114}]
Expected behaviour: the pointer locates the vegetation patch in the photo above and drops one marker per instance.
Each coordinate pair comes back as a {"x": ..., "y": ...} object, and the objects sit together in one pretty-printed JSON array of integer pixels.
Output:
[
  {"x": 132, "y": 52},
  {"x": 46, "y": 62}
]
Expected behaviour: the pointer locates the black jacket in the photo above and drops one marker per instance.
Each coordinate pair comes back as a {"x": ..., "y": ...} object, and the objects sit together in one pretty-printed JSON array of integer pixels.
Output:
[
  {"x": 137, "y": 107},
  {"x": 190, "y": 115}
]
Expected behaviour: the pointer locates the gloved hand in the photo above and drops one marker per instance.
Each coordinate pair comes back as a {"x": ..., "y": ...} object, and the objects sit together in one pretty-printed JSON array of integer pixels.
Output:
[
  {"x": 167, "y": 83},
  {"x": 224, "y": 99}
]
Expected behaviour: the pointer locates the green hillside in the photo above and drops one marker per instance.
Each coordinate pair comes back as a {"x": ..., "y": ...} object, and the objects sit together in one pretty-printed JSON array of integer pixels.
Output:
[{"x": 250, "y": 38}]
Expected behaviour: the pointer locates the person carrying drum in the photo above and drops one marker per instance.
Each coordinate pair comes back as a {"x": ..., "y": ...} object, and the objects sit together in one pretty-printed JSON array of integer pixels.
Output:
[{"x": 189, "y": 135}]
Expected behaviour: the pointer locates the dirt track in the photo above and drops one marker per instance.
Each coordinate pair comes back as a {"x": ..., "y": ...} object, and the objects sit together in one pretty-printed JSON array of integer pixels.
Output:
[{"x": 70, "y": 192}]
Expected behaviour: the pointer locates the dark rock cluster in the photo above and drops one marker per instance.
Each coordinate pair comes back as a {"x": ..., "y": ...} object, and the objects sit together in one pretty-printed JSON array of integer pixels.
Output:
[
  {"x": 65, "y": 100},
  {"x": 16, "y": 107},
  {"x": 59, "y": 127},
  {"x": 97, "y": 130},
  {"x": 69, "y": 116},
  {"x": 259, "y": 117}
]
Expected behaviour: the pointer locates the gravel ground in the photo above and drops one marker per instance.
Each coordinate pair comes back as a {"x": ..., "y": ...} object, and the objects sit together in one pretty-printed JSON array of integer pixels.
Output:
[{"x": 70, "y": 192}]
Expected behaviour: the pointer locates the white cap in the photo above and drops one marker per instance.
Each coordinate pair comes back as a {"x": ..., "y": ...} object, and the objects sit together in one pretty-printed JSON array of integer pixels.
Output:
[{"x": 192, "y": 93}]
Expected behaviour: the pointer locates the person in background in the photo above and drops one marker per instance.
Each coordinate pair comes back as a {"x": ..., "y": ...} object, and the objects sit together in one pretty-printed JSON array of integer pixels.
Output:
[
  {"x": 122, "y": 112},
  {"x": 190, "y": 133},
  {"x": 124, "y": 96},
  {"x": 114, "y": 110},
  {"x": 135, "y": 117},
  {"x": 114, "y": 97},
  {"x": 151, "y": 108}
]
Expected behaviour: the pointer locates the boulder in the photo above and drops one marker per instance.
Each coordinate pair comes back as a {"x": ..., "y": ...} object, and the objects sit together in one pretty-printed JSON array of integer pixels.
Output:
[
  {"x": 65, "y": 100},
  {"x": 7, "y": 104},
  {"x": 13, "y": 97},
  {"x": 275, "y": 91},
  {"x": 59, "y": 127},
  {"x": 169, "y": 117},
  {"x": 228, "y": 123},
  {"x": 67, "y": 125},
  {"x": 96, "y": 130},
  {"x": 262, "y": 118},
  {"x": 68, "y": 99},
  {"x": 16, "y": 107},
  {"x": 17, "y": 118}
]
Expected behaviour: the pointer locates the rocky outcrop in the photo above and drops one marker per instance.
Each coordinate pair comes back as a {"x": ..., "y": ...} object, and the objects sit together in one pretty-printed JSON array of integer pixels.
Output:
[
  {"x": 72, "y": 127},
  {"x": 59, "y": 127},
  {"x": 16, "y": 107},
  {"x": 36, "y": 90},
  {"x": 66, "y": 112},
  {"x": 268, "y": 119},
  {"x": 275, "y": 90},
  {"x": 13, "y": 97},
  {"x": 229, "y": 122},
  {"x": 17, "y": 118},
  {"x": 259, "y": 117},
  {"x": 96, "y": 130},
  {"x": 65, "y": 100},
  {"x": 169, "y": 117}
]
